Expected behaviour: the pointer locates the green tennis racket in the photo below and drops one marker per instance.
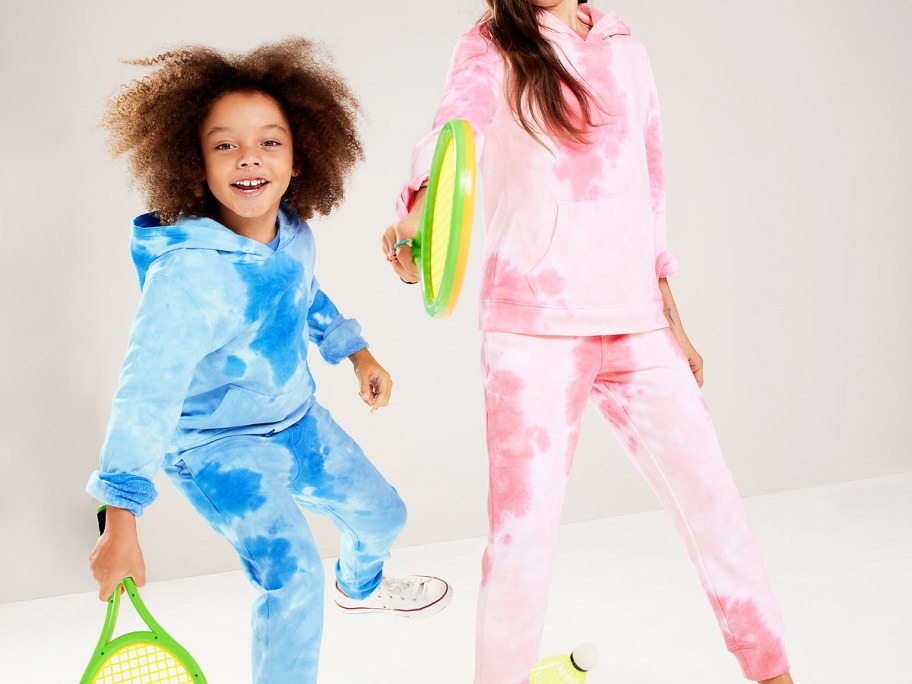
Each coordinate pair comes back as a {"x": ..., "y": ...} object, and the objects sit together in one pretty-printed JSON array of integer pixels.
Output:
[
  {"x": 152, "y": 657},
  {"x": 441, "y": 246}
]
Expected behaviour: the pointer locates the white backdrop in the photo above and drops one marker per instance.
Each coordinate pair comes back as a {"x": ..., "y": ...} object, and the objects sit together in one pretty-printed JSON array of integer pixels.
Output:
[{"x": 787, "y": 151}]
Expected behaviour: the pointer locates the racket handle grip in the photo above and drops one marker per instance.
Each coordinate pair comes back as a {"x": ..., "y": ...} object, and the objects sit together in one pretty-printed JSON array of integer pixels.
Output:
[{"x": 102, "y": 517}]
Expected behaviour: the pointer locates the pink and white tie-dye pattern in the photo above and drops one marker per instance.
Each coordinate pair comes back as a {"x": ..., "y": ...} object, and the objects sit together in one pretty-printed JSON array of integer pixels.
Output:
[
  {"x": 576, "y": 243},
  {"x": 575, "y": 233},
  {"x": 536, "y": 388}
]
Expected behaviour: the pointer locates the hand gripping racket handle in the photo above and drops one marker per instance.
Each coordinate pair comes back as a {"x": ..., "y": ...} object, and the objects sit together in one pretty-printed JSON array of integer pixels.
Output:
[
  {"x": 125, "y": 585},
  {"x": 102, "y": 515},
  {"x": 160, "y": 639}
]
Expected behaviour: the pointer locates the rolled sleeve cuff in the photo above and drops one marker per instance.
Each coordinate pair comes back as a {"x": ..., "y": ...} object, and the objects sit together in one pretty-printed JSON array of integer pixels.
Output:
[
  {"x": 122, "y": 490},
  {"x": 666, "y": 264},
  {"x": 341, "y": 339},
  {"x": 407, "y": 196}
]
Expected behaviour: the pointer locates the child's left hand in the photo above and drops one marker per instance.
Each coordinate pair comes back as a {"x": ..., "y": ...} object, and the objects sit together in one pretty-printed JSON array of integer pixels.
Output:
[
  {"x": 693, "y": 358},
  {"x": 376, "y": 384}
]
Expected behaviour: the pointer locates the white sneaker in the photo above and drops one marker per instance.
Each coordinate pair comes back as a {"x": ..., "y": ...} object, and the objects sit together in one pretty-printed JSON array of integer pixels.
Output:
[{"x": 410, "y": 596}]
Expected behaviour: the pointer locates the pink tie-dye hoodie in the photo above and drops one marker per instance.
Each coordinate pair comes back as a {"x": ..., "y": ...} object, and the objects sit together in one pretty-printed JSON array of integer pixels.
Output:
[{"x": 576, "y": 239}]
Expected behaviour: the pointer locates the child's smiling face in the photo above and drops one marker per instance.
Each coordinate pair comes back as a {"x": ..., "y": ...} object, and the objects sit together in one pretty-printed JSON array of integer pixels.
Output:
[{"x": 247, "y": 151}]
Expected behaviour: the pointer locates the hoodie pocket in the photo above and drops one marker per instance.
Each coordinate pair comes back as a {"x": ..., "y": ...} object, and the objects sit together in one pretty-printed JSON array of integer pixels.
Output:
[
  {"x": 601, "y": 254},
  {"x": 240, "y": 407}
]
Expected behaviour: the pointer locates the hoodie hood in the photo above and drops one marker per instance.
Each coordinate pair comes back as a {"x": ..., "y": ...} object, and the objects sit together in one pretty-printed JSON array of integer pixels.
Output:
[
  {"x": 603, "y": 25},
  {"x": 151, "y": 240}
]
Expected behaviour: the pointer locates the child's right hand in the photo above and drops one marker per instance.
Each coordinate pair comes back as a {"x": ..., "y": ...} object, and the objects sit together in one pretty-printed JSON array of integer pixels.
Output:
[
  {"x": 117, "y": 554},
  {"x": 403, "y": 263}
]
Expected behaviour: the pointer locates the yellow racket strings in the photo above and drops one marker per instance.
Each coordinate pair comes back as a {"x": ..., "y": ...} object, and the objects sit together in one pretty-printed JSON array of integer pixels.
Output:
[
  {"x": 443, "y": 216},
  {"x": 142, "y": 664}
]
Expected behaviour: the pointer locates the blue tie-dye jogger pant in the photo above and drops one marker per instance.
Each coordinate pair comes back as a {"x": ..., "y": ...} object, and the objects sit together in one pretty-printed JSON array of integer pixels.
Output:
[{"x": 250, "y": 487}]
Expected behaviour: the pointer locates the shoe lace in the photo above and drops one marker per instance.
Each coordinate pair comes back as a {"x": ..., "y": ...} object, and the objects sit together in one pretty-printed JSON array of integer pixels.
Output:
[{"x": 411, "y": 588}]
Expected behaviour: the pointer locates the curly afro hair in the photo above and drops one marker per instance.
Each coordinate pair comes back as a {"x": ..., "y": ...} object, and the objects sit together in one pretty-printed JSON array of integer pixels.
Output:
[{"x": 155, "y": 122}]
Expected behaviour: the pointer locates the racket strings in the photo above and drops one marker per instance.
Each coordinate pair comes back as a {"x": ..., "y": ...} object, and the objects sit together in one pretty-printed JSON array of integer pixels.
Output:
[
  {"x": 142, "y": 664},
  {"x": 443, "y": 215}
]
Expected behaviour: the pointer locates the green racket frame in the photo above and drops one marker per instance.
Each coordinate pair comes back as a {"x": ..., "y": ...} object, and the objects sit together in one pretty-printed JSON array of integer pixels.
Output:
[
  {"x": 157, "y": 636},
  {"x": 441, "y": 303}
]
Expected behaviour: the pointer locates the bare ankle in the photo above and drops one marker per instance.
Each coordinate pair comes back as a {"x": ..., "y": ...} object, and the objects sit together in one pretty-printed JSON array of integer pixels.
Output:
[{"x": 781, "y": 679}]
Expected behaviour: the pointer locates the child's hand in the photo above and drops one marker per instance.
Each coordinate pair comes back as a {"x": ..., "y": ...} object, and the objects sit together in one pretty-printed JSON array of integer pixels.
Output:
[
  {"x": 693, "y": 358},
  {"x": 117, "y": 555},
  {"x": 375, "y": 383},
  {"x": 400, "y": 258},
  {"x": 403, "y": 262}
]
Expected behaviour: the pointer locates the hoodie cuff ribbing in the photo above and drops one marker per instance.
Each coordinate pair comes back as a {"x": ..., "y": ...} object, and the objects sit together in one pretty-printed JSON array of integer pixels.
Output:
[
  {"x": 407, "y": 196},
  {"x": 122, "y": 490},
  {"x": 341, "y": 339},
  {"x": 666, "y": 264}
]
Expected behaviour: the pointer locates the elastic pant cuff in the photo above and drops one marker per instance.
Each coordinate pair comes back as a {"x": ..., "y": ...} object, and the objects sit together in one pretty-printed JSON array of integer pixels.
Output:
[
  {"x": 764, "y": 660},
  {"x": 356, "y": 590}
]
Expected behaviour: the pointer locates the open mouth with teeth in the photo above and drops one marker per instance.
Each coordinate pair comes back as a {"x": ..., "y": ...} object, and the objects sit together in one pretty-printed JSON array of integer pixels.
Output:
[{"x": 250, "y": 186}]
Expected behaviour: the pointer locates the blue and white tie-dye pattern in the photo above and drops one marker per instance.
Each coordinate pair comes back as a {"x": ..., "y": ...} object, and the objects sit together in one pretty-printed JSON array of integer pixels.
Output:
[
  {"x": 218, "y": 345},
  {"x": 215, "y": 389},
  {"x": 250, "y": 488}
]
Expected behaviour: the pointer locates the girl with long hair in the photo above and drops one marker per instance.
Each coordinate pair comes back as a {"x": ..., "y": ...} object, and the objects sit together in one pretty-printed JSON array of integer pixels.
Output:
[{"x": 576, "y": 307}]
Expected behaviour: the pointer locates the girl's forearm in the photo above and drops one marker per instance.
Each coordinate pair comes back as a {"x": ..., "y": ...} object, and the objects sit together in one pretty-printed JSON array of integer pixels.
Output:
[{"x": 669, "y": 307}]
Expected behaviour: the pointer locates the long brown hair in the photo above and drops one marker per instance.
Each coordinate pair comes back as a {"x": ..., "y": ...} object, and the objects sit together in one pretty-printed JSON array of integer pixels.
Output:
[{"x": 535, "y": 74}]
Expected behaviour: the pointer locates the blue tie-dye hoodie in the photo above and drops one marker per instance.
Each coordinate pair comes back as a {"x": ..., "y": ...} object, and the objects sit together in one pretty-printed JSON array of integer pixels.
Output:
[{"x": 218, "y": 346}]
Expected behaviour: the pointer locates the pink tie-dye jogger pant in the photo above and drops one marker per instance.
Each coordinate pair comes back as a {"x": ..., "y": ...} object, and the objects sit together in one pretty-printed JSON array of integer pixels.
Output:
[{"x": 536, "y": 389}]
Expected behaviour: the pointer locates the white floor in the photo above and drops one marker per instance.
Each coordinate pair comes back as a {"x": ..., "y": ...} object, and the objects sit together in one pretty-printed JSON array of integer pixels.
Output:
[{"x": 840, "y": 559}]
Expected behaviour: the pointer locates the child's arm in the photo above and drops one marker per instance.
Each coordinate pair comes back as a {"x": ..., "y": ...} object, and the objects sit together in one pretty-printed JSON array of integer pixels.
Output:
[
  {"x": 470, "y": 93},
  {"x": 677, "y": 328},
  {"x": 338, "y": 337},
  {"x": 666, "y": 260},
  {"x": 117, "y": 554},
  {"x": 169, "y": 338}
]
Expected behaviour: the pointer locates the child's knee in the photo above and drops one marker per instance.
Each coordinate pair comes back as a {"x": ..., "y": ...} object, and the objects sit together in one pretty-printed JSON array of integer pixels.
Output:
[
  {"x": 390, "y": 515},
  {"x": 274, "y": 563},
  {"x": 398, "y": 512}
]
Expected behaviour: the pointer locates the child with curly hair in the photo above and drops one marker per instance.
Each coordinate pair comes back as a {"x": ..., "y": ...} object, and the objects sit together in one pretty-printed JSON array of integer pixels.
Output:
[{"x": 234, "y": 153}]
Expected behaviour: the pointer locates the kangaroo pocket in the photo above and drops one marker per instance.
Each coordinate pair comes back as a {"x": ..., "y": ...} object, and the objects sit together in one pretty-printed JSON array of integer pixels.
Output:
[
  {"x": 233, "y": 406},
  {"x": 601, "y": 254}
]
